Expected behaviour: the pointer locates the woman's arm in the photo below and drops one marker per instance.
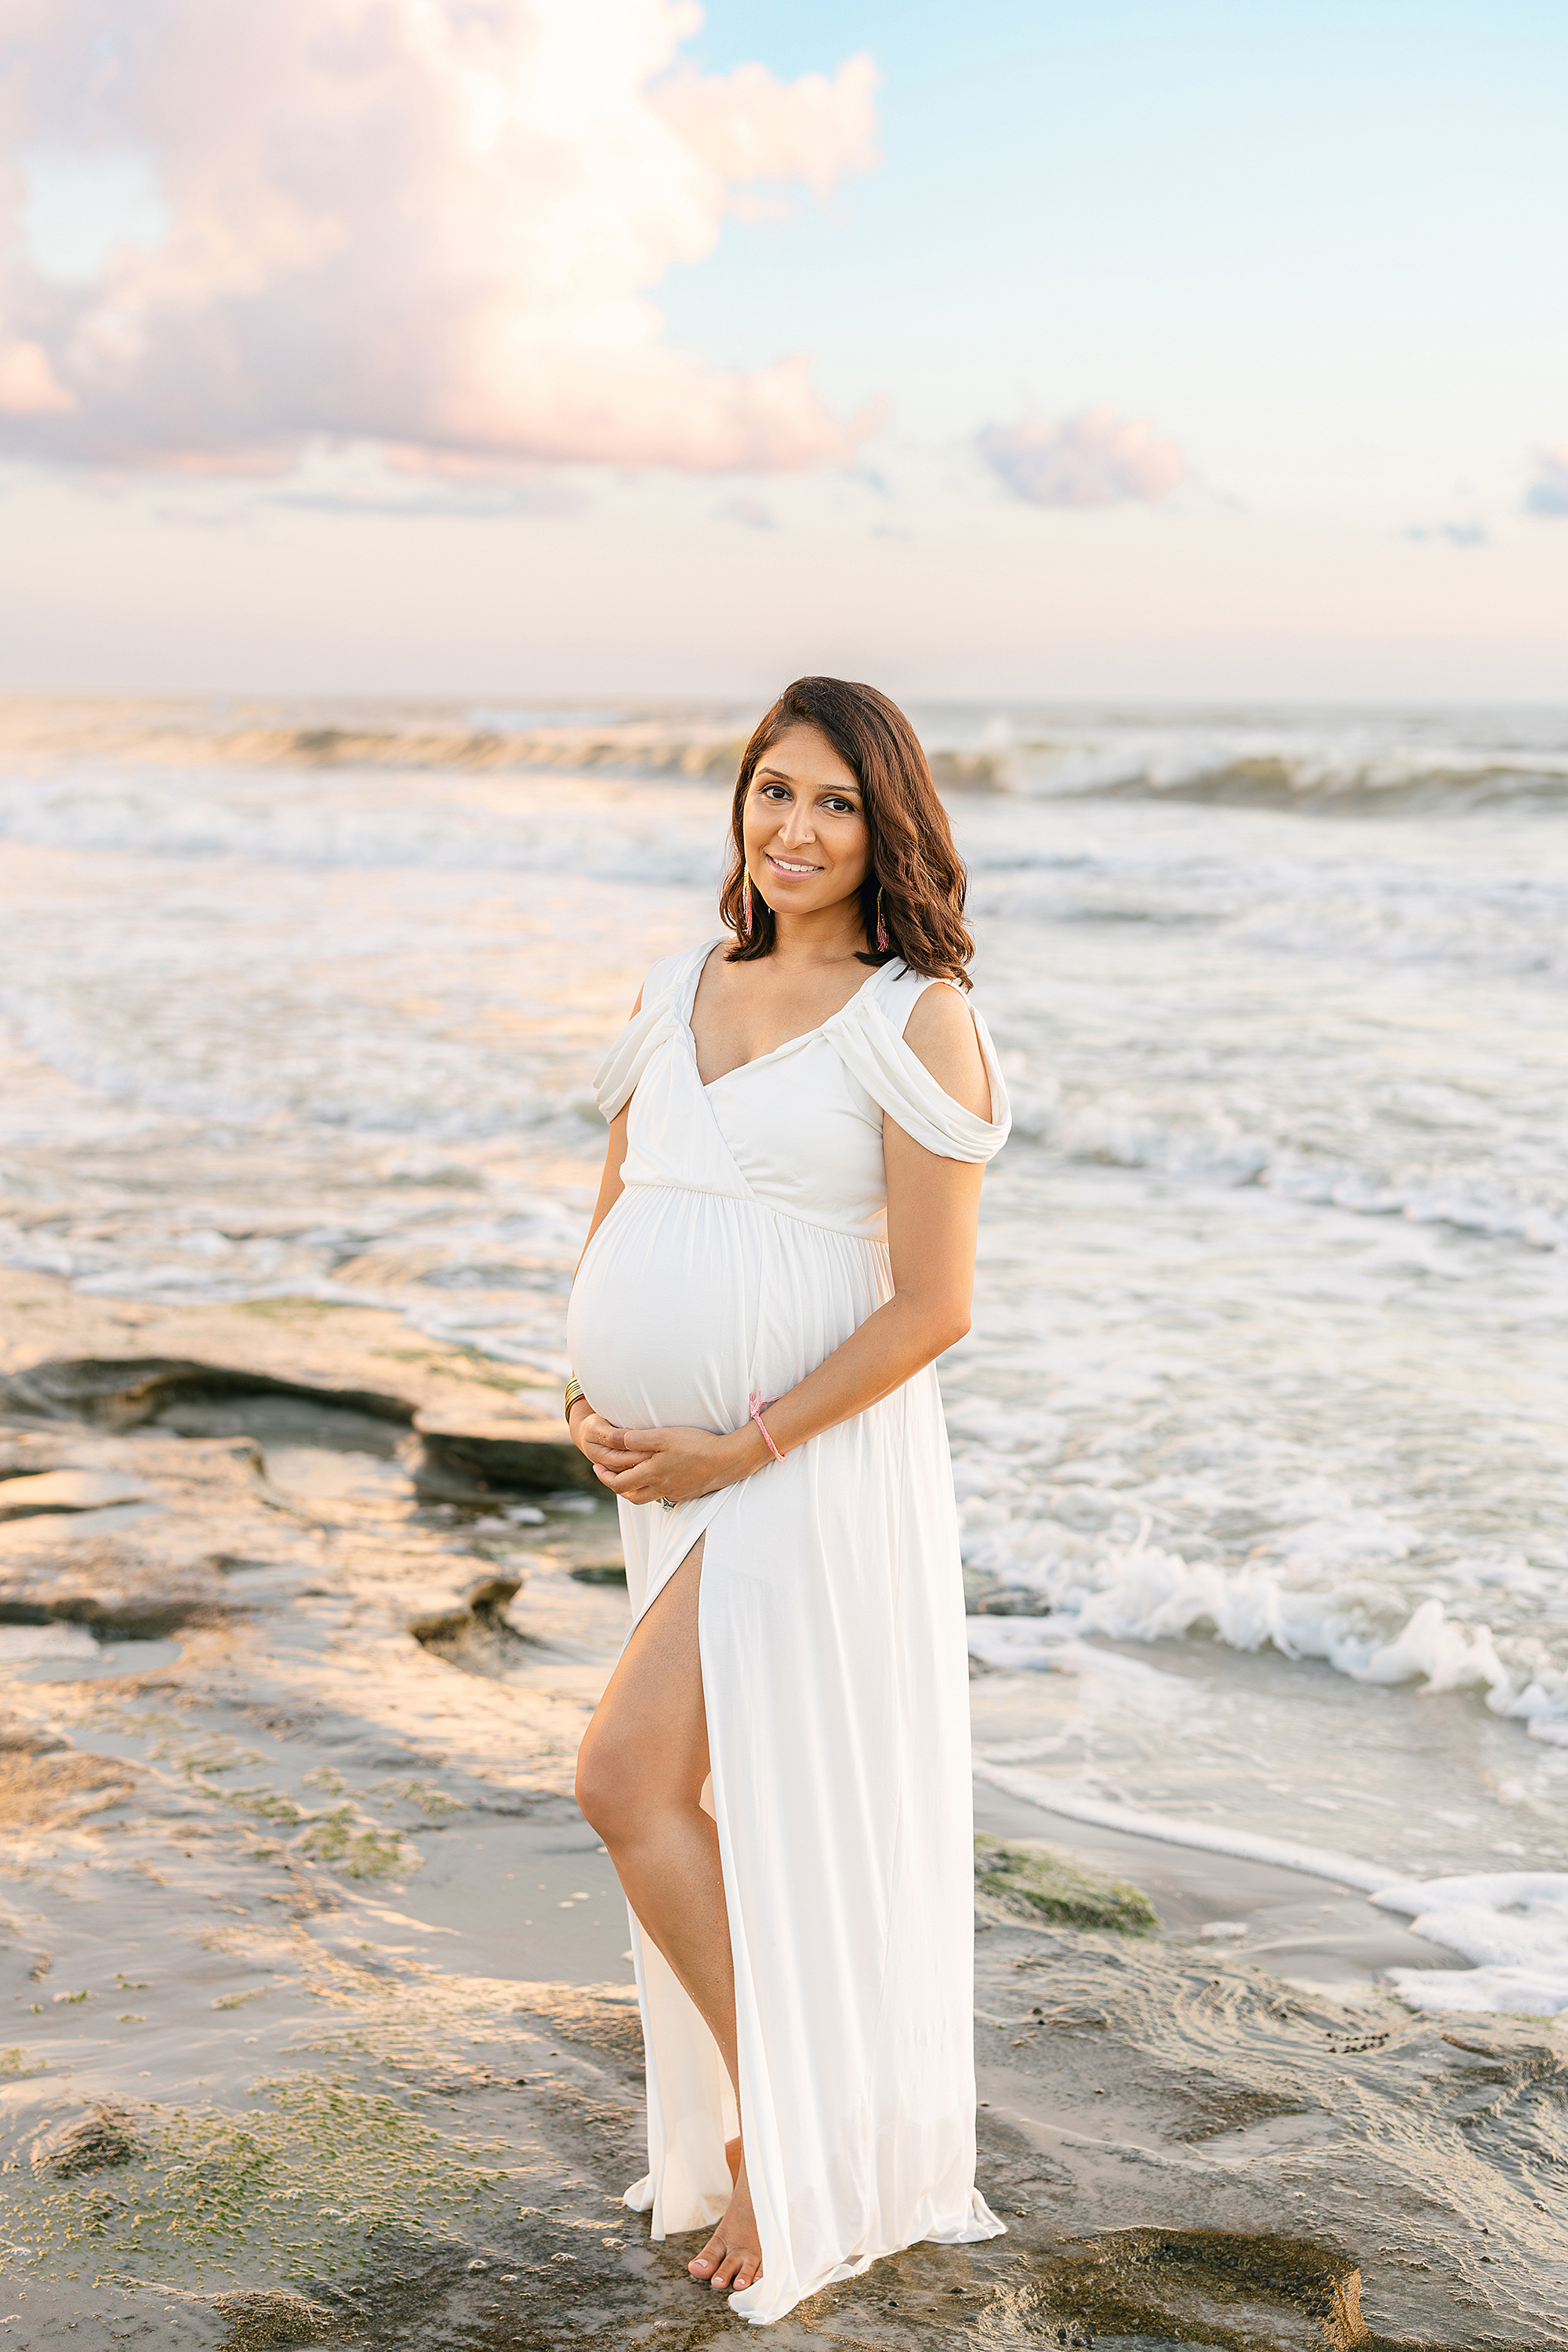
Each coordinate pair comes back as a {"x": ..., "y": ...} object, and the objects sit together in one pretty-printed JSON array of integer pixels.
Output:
[
  {"x": 933, "y": 1206},
  {"x": 610, "y": 1184},
  {"x": 590, "y": 1431}
]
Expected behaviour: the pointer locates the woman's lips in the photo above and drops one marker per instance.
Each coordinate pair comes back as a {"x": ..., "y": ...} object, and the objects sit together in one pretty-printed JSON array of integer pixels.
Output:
[{"x": 779, "y": 866}]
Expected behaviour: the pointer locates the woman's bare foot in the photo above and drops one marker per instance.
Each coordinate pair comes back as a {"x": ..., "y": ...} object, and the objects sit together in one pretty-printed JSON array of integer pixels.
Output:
[{"x": 732, "y": 2258}]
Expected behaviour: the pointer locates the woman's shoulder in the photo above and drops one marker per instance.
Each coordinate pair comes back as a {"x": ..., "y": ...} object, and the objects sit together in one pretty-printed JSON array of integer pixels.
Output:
[
  {"x": 943, "y": 1034},
  {"x": 898, "y": 990},
  {"x": 921, "y": 1050},
  {"x": 672, "y": 974}
]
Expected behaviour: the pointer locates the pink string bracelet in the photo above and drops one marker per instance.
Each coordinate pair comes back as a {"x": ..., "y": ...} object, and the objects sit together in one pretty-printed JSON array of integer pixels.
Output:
[{"x": 759, "y": 1404}]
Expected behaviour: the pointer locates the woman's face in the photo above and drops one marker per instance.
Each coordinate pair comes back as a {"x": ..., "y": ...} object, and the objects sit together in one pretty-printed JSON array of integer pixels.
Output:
[{"x": 807, "y": 843}]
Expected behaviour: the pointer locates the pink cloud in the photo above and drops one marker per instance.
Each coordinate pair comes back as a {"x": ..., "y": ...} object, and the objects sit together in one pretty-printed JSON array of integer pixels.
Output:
[
  {"x": 747, "y": 127},
  {"x": 28, "y": 386},
  {"x": 1097, "y": 458},
  {"x": 417, "y": 222}
]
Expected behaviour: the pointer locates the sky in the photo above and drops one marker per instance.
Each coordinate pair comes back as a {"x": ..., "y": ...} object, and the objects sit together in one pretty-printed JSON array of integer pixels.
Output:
[{"x": 1194, "y": 349}]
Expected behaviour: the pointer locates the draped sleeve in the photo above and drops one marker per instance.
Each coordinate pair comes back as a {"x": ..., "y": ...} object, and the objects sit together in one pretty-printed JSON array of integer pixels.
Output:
[
  {"x": 869, "y": 1037},
  {"x": 615, "y": 1080},
  {"x": 663, "y": 1008}
]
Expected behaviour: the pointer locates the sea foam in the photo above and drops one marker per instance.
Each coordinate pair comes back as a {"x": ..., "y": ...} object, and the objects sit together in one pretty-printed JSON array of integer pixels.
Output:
[
  {"x": 1512, "y": 1924},
  {"x": 1143, "y": 1593}
]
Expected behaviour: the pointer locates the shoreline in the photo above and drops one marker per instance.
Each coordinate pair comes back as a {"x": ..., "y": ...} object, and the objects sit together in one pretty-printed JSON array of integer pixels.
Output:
[
  {"x": 1316, "y": 1936},
  {"x": 322, "y": 2028}
]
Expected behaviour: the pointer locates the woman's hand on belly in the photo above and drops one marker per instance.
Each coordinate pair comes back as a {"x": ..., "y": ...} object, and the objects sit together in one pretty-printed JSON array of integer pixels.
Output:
[
  {"x": 676, "y": 1465},
  {"x": 600, "y": 1441}
]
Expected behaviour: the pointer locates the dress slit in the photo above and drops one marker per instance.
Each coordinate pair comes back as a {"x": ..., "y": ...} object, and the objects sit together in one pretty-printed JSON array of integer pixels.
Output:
[
  {"x": 645, "y": 1612},
  {"x": 686, "y": 1528},
  {"x": 690, "y": 2099}
]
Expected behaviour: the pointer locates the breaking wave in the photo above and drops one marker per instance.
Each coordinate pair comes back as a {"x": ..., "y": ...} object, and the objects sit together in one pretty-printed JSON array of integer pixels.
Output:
[
  {"x": 1143, "y": 1593},
  {"x": 700, "y": 747},
  {"x": 1350, "y": 763}
]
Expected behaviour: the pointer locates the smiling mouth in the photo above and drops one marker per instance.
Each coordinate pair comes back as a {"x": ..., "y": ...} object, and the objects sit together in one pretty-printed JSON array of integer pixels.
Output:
[{"x": 783, "y": 864}]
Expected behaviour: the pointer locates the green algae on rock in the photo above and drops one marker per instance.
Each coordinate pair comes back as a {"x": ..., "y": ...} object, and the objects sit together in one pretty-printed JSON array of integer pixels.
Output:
[
  {"x": 1226, "y": 2289},
  {"x": 259, "y": 2322},
  {"x": 105, "y": 2136},
  {"x": 1035, "y": 1882},
  {"x": 363, "y": 1853},
  {"x": 295, "y": 2186}
]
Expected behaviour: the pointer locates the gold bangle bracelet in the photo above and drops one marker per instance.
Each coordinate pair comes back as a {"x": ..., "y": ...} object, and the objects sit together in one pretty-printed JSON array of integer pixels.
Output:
[{"x": 573, "y": 1391}]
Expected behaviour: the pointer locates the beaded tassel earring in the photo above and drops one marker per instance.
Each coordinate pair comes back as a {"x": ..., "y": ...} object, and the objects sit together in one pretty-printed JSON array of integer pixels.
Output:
[
  {"x": 746, "y": 904},
  {"x": 881, "y": 926}
]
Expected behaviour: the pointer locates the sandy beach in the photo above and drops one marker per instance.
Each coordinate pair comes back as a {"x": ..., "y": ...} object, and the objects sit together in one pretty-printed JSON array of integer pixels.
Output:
[{"x": 322, "y": 2027}]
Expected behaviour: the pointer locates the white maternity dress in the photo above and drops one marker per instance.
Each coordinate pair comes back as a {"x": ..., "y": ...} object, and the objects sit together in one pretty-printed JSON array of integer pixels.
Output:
[{"x": 748, "y": 1245}]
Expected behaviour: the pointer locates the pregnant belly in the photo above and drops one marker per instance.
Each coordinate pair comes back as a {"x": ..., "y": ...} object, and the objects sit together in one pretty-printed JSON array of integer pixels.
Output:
[{"x": 663, "y": 1315}]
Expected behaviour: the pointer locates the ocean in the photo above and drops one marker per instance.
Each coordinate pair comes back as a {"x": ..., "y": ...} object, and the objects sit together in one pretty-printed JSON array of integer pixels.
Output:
[{"x": 1262, "y": 1432}]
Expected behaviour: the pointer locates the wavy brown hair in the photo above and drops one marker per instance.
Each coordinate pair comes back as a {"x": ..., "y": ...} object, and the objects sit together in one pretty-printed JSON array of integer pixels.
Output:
[{"x": 913, "y": 860}]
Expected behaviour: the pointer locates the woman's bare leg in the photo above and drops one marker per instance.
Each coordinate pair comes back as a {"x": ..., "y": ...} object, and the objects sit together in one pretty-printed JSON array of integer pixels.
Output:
[{"x": 640, "y": 1772}]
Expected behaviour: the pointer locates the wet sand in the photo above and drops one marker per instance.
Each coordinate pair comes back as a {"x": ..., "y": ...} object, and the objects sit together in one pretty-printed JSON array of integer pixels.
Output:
[{"x": 320, "y": 2022}]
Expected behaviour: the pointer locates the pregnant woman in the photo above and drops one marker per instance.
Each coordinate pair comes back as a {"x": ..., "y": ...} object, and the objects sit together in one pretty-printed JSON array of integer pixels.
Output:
[{"x": 800, "y": 1114}]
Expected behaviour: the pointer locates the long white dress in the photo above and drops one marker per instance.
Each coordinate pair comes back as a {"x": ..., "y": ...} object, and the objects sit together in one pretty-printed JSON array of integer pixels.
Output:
[{"x": 748, "y": 1245}]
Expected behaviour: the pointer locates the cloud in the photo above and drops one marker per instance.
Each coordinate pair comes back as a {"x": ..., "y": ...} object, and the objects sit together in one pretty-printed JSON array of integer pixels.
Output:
[
  {"x": 426, "y": 224},
  {"x": 1547, "y": 494},
  {"x": 747, "y": 127},
  {"x": 28, "y": 385},
  {"x": 1096, "y": 458},
  {"x": 751, "y": 514},
  {"x": 1456, "y": 534}
]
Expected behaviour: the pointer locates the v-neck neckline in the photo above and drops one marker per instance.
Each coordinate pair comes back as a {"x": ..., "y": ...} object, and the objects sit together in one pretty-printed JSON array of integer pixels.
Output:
[{"x": 773, "y": 1053}]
